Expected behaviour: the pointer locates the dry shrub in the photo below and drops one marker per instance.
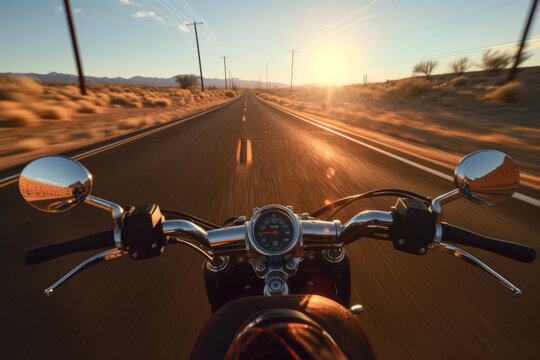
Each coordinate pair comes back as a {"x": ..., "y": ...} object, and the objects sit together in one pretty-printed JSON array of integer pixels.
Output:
[
  {"x": 29, "y": 144},
  {"x": 126, "y": 100},
  {"x": 19, "y": 88},
  {"x": 128, "y": 124},
  {"x": 494, "y": 61},
  {"x": 156, "y": 102},
  {"x": 115, "y": 88},
  {"x": 71, "y": 92},
  {"x": 48, "y": 111},
  {"x": 230, "y": 94},
  {"x": 413, "y": 87},
  {"x": 81, "y": 135},
  {"x": 459, "y": 81},
  {"x": 510, "y": 92},
  {"x": 102, "y": 99},
  {"x": 17, "y": 117},
  {"x": 88, "y": 107},
  {"x": 8, "y": 105},
  {"x": 54, "y": 96}
]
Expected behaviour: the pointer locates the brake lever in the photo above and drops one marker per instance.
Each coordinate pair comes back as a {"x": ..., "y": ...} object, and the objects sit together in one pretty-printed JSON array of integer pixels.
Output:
[
  {"x": 455, "y": 251},
  {"x": 104, "y": 256}
]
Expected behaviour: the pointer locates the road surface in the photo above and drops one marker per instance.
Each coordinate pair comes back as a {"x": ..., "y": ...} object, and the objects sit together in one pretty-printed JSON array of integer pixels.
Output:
[{"x": 416, "y": 307}]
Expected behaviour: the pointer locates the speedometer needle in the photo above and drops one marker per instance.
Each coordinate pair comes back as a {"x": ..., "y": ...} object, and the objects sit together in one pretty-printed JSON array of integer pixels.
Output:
[{"x": 269, "y": 232}]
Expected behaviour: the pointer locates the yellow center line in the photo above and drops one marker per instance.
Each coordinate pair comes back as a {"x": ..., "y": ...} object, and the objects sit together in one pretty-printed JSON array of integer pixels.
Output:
[{"x": 244, "y": 118}]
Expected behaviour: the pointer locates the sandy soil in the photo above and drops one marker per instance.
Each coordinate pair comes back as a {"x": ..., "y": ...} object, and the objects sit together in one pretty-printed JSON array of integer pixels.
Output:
[
  {"x": 440, "y": 120},
  {"x": 38, "y": 119}
]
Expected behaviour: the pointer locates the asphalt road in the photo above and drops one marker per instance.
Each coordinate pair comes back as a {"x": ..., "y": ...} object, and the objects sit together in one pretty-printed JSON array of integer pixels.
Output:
[{"x": 420, "y": 307}]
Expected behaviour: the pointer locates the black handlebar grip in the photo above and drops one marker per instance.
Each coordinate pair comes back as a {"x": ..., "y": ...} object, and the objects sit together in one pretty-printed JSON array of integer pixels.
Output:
[
  {"x": 91, "y": 242},
  {"x": 454, "y": 234}
]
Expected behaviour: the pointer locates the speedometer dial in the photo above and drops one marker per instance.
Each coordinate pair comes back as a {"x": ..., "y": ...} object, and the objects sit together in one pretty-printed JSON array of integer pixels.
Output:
[{"x": 273, "y": 232}]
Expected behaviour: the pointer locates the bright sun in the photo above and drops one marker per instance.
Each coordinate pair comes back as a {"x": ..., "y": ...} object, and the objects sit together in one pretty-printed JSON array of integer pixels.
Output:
[{"x": 328, "y": 66}]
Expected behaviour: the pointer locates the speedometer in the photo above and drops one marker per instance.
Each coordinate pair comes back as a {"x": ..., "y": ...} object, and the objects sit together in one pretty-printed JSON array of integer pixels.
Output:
[{"x": 273, "y": 231}]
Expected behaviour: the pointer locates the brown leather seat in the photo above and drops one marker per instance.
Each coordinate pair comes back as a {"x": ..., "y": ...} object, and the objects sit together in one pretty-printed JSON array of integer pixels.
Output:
[{"x": 219, "y": 332}]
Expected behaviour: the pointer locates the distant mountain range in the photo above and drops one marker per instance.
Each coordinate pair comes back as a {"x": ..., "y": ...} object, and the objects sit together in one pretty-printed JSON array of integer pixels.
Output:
[{"x": 58, "y": 77}]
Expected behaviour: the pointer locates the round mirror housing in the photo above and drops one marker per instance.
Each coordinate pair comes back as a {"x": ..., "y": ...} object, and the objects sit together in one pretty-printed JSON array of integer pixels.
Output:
[
  {"x": 487, "y": 177},
  {"x": 55, "y": 183}
]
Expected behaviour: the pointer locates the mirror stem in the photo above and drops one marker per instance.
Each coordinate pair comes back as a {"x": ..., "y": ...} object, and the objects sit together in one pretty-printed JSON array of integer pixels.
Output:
[
  {"x": 438, "y": 202},
  {"x": 117, "y": 214},
  {"x": 436, "y": 209}
]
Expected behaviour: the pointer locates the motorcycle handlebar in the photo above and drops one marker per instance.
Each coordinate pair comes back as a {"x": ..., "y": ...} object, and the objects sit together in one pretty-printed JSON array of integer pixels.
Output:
[
  {"x": 91, "y": 242},
  {"x": 317, "y": 234},
  {"x": 454, "y": 234}
]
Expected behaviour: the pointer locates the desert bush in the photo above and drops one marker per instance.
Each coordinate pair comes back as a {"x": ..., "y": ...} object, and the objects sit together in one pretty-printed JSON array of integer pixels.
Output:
[
  {"x": 126, "y": 100},
  {"x": 230, "y": 94},
  {"x": 188, "y": 81},
  {"x": 509, "y": 92},
  {"x": 425, "y": 67},
  {"x": 81, "y": 135},
  {"x": 17, "y": 117},
  {"x": 19, "y": 88},
  {"x": 88, "y": 107},
  {"x": 413, "y": 87},
  {"x": 459, "y": 66},
  {"x": 156, "y": 102},
  {"x": 494, "y": 61},
  {"x": 459, "y": 81},
  {"x": 28, "y": 144}
]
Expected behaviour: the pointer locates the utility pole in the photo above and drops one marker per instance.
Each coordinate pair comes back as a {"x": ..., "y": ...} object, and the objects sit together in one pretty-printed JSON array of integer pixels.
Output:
[
  {"x": 513, "y": 72},
  {"x": 82, "y": 86},
  {"x": 230, "y": 78},
  {"x": 225, "y": 68},
  {"x": 292, "y": 66},
  {"x": 194, "y": 23}
]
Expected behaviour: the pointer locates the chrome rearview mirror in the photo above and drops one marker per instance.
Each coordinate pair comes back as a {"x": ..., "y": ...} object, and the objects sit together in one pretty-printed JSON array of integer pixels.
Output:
[
  {"x": 487, "y": 177},
  {"x": 55, "y": 183}
]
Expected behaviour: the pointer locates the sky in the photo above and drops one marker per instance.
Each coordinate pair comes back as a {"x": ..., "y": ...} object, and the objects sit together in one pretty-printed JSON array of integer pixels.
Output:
[{"x": 335, "y": 42}]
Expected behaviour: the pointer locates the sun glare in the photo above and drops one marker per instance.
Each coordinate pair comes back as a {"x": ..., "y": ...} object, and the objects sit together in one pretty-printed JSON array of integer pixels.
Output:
[{"x": 329, "y": 66}]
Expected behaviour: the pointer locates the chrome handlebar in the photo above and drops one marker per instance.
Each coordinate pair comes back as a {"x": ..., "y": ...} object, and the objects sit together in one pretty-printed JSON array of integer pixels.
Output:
[{"x": 317, "y": 235}]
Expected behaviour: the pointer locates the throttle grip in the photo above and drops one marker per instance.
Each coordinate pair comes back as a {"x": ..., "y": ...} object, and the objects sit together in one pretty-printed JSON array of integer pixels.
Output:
[
  {"x": 91, "y": 242},
  {"x": 454, "y": 234}
]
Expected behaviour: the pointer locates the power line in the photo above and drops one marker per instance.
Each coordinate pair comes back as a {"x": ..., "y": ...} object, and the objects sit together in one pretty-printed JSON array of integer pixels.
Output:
[
  {"x": 361, "y": 19},
  {"x": 350, "y": 15},
  {"x": 170, "y": 7},
  {"x": 162, "y": 13},
  {"x": 457, "y": 19},
  {"x": 448, "y": 53}
]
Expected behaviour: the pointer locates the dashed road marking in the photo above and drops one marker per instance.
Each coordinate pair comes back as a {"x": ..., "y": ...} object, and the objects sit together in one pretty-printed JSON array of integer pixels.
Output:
[{"x": 243, "y": 151}]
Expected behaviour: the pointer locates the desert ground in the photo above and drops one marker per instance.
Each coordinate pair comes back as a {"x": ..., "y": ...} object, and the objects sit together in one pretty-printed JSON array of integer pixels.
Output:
[
  {"x": 38, "y": 119},
  {"x": 440, "y": 119}
]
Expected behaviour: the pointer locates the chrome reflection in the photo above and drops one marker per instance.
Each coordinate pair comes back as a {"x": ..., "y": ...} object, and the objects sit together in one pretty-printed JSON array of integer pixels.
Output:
[
  {"x": 55, "y": 183},
  {"x": 487, "y": 177}
]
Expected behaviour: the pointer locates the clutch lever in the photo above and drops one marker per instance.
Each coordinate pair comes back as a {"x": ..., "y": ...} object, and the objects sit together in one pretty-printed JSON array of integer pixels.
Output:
[
  {"x": 455, "y": 251},
  {"x": 104, "y": 256}
]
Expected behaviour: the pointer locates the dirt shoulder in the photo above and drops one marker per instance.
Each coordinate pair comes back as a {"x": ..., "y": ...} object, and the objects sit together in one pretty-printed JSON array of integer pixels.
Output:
[
  {"x": 440, "y": 120},
  {"x": 38, "y": 119}
]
